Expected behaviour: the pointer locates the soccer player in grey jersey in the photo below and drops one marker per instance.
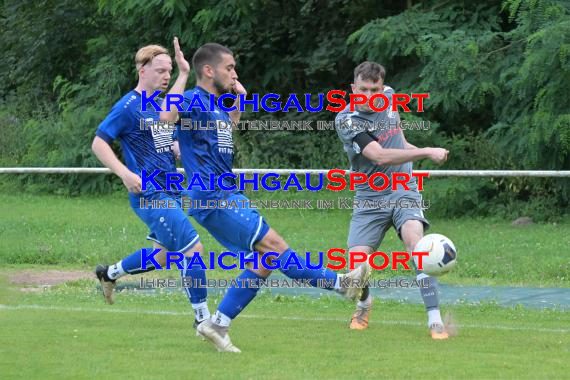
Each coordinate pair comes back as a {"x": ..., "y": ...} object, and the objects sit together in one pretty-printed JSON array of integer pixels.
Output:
[{"x": 375, "y": 143}]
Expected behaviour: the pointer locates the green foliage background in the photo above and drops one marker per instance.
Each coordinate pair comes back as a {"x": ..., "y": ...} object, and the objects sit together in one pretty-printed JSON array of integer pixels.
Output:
[{"x": 498, "y": 74}]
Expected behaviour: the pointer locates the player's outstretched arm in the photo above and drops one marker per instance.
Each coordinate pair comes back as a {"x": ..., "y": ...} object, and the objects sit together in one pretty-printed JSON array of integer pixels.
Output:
[
  {"x": 407, "y": 145},
  {"x": 105, "y": 154},
  {"x": 238, "y": 88},
  {"x": 180, "y": 84},
  {"x": 382, "y": 156}
]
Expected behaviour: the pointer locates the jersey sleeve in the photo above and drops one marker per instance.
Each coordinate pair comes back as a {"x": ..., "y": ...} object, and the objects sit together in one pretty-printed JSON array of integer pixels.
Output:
[
  {"x": 346, "y": 128},
  {"x": 389, "y": 92},
  {"x": 114, "y": 124}
]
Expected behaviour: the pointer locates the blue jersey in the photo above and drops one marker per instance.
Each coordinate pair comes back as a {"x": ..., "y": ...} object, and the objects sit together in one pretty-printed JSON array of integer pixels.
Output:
[
  {"x": 206, "y": 145},
  {"x": 206, "y": 148},
  {"x": 147, "y": 149}
]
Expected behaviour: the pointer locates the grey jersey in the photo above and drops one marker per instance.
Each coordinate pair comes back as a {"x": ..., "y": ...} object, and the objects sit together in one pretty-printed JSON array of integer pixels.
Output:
[{"x": 384, "y": 127}]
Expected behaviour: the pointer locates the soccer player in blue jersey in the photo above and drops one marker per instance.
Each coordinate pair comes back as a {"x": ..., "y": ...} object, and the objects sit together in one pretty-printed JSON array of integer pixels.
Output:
[
  {"x": 149, "y": 149},
  {"x": 210, "y": 150}
]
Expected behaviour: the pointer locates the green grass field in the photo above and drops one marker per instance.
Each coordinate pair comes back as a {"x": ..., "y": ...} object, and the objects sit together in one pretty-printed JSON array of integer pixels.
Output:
[
  {"x": 69, "y": 333},
  {"x": 66, "y": 331},
  {"x": 81, "y": 232}
]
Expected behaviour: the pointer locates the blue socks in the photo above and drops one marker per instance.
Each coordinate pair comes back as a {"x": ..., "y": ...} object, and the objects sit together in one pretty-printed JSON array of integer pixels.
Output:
[
  {"x": 327, "y": 277},
  {"x": 196, "y": 286},
  {"x": 237, "y": 298},
  {"x": 132, "y": 264}
]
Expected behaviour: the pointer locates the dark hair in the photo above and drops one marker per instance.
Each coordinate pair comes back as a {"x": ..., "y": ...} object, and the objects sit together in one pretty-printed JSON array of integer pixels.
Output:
[
  {"x": 369, "y": 71},
  {"x": 208, "y": 54}
]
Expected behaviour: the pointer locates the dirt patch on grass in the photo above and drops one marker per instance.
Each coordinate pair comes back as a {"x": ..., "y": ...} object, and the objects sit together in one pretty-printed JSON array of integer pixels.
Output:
[
  {"x": 36, "y": 280},
  {"x": 40, "y": 278}
]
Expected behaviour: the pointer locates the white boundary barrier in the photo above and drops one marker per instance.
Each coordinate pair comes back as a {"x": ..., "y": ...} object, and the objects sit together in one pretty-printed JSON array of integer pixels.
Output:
[{"x": 432, "y": 173}]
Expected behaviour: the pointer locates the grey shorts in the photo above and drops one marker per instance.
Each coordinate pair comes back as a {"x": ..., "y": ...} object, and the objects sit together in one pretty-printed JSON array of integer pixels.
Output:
[{"x": 371, "y": 220}]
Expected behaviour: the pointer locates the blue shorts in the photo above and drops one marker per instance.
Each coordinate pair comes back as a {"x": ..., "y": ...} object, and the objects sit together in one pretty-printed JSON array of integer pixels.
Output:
[
  {"x": 237, "y": 229},
  {"x": 169, "y": 227}
]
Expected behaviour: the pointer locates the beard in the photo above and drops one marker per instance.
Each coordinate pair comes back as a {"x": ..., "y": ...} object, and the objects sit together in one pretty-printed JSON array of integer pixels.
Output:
[{"x": 220, "y": 88}]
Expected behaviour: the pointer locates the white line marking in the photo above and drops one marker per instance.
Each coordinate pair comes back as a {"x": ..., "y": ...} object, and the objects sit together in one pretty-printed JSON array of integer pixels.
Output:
[{"x": 253, "y": 316}]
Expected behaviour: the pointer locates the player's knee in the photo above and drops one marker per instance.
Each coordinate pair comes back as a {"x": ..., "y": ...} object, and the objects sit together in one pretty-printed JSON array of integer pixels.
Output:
[
  {"x": 160, "y": 257},
  {"x": 413, "y": 226},
  {"x": 272, "y": 242},
  {"x": 359, "y": 254},
  {"x": 197, "y": 248},
  {"x": 411, "y": 231}
]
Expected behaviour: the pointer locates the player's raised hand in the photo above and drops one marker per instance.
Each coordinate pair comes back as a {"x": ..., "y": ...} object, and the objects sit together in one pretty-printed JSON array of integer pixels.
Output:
[
  {"x": 238, "y": 88},
  {"x": 438, "y": 155},
  {"x": 182, "y": 63},
  {"x": 132, "y": 182}
]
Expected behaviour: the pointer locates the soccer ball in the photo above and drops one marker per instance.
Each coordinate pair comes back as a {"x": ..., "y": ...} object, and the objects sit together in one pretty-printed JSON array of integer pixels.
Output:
[{"x": 442, "y": 254}]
